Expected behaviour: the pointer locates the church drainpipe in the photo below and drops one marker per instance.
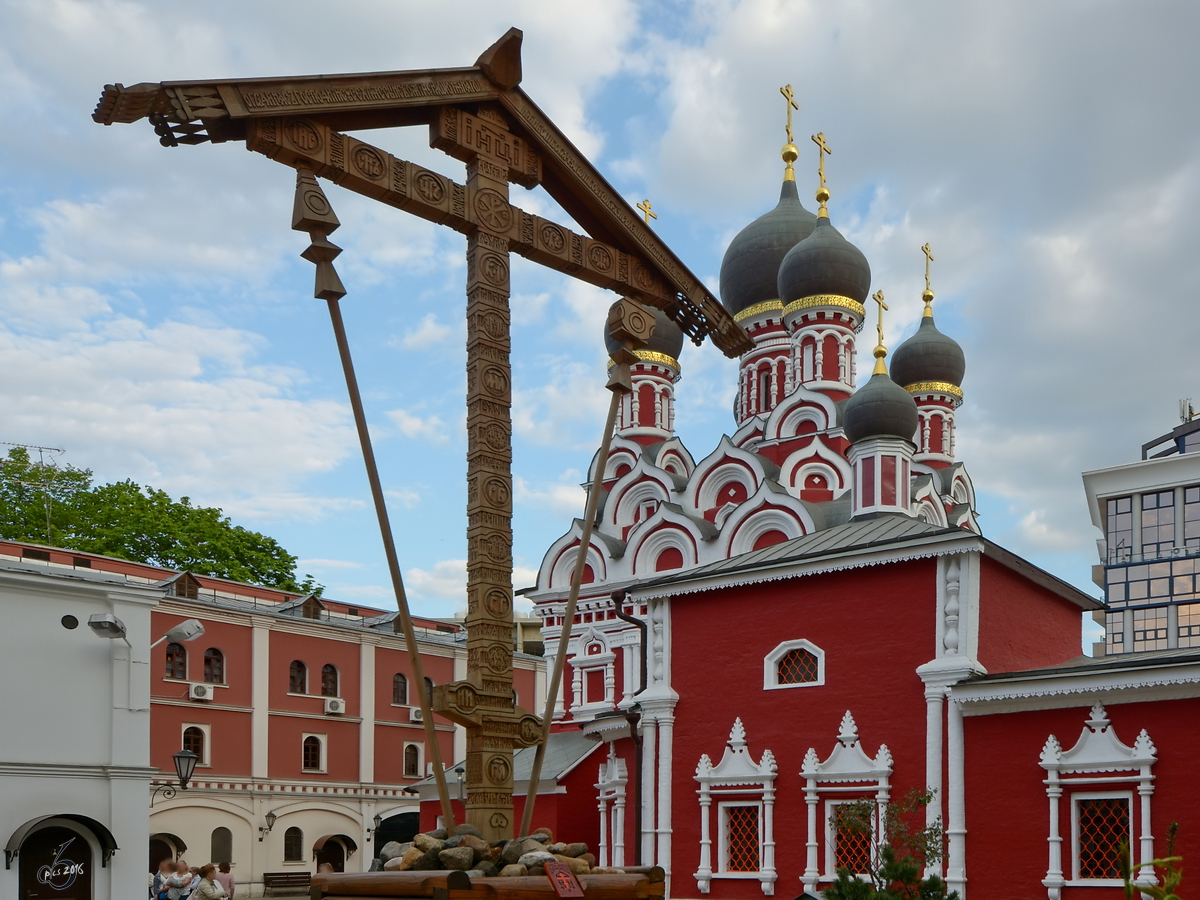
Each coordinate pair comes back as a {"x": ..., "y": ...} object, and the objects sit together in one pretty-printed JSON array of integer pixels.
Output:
[{"x": 618, "y": 598}]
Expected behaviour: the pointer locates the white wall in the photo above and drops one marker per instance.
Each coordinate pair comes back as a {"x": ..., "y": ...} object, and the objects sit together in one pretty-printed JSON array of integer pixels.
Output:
[{"x": 71, "y": 740}]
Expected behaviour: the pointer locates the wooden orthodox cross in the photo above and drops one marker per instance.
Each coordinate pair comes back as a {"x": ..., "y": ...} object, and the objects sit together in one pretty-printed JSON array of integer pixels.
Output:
[
  {"x": 644, "y": 206},
  {"x": 478, "y": 115}
]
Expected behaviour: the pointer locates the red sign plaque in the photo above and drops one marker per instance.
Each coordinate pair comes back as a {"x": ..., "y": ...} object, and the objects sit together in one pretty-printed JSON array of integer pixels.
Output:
[{"x": 562, "y": 879}]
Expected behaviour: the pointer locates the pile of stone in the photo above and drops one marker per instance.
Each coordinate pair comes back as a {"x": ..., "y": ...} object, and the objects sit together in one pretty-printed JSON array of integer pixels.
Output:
[{"x": 468, "y": 851}]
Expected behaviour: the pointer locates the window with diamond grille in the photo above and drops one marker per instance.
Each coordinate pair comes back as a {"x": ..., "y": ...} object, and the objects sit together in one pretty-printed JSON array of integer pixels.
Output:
[
  {"x": 1103, "y": 824},
  {"x": 741, "y": 833},
  {"x": 851, "y": 846},
  {"x": 798, "y": 666}
]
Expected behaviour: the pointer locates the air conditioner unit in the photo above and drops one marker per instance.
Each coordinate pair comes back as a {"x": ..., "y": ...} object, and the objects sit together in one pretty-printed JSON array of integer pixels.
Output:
[
  {"x": 200, "y": 691},
  {"x": 335, "y": 706},
  {"x": 414, "y": 714}
]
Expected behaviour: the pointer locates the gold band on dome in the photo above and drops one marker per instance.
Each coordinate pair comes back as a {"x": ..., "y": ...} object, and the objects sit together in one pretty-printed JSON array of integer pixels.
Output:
[
  {"x": 935, "y": 387},
  {"x": 653, "y": 356},
  {"x": 758, "y": 309},
  {"x": 825, "y": 300}
]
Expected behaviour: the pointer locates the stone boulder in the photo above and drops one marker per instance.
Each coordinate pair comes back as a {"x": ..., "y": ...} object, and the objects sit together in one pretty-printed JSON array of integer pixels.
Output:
[
  {"x": 409, "y": 859},
  {"x": 464, "y": 828},
  {"x": 573, "y": 850},
  {"x": 425, "y": 843},
  {"x": 511, "y": 852},
  {"x": 578, "y": 866},
  {"x": 514, "y": 871},
  {"x": 457, "y": 858},
  {"x": 392, "y": 849},
  {"x": 537, "y": 858},
  {"x": 481, "y": 848}
]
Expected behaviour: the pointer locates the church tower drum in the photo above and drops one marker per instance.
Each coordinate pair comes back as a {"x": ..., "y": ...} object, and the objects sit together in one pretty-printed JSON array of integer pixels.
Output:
[{"x": 647, "y": 414}]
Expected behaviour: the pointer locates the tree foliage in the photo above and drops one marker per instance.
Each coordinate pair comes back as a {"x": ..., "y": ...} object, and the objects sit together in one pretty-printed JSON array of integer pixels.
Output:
[
  {"x": 896, "y": 863},
  {"x": 59, "y": 506}
]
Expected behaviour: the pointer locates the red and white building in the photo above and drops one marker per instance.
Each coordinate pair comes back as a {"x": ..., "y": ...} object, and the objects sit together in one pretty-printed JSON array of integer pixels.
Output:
[
  {"x": 303, "y": 711},
  {"x": 824, "y": 621}
]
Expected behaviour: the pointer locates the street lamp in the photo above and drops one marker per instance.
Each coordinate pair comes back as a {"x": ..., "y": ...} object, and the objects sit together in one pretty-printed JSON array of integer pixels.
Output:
[
  {"x": 459, "y": 770},
  {"x": 185, "y": 765},
  {"x": 263, "y": 832},
  {"x": 187, "y": 630},
  {"x": 378, "y": 820}
]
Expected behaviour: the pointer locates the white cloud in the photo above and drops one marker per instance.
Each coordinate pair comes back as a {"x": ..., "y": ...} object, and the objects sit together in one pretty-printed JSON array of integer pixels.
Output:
[
  {"x": 321, "y": 564},
  {"x": 429, "y": 427},
  {"x": 407, "y": 497},
  {"x": 564, "y": 499},
  {"x": 428, "y": 332},
  {"x": 446, "y": 580}
]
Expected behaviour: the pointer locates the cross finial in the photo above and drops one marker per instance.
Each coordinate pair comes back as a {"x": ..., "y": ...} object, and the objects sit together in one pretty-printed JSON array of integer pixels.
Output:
[
  {"x": 644, "y": 206},
  {"x": 786, "y": 90},
  {"x": 822, "y": 191},
  {"x": 880, "y": 350},
  {"x": 927, "y": 296}
]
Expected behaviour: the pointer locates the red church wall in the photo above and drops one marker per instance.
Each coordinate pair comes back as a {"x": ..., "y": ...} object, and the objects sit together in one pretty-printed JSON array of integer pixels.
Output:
[
  {"x": 1007, "y": 808},
  {"x": 1022, "y": 625},
  {"x": 875, "y": 625}
]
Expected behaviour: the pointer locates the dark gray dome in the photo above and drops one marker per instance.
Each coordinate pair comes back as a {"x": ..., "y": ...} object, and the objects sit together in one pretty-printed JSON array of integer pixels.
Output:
[
  {"x": 880, "y": 408},
  {"x": 928, "y": 355},
  {"x": 667, "y": 338},
  {"x": 750, "y": 269},
  {"x": 824, "y": 263}
]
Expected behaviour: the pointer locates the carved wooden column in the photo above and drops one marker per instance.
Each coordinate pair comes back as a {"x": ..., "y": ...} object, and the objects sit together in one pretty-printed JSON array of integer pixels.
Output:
[{"x": 484, "y": 702}]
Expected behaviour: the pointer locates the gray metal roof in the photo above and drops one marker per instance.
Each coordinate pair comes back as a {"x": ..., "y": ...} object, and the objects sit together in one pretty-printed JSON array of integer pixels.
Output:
[
  {"x": 1085, "y": 665},
  {"x": 858, "y": 534}
]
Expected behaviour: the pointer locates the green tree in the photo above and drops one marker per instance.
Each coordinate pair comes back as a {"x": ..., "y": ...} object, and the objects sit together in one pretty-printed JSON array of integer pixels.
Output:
[
  {"x": 894, "y": 872},
  {"x": 59, "y": 506}
]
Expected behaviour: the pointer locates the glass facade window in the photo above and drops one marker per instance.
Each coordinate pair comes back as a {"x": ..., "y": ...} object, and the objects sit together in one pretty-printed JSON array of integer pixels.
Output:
[
  {"x": 1155, "y": 582},
  {"x": 1191, "y": 517},
  {"x": 1189, "y": 625},
  {"x": 1118, "y": 528},
  {"x": 1158, "y": 524},
  {"x": 1114, "y": 632},
  {"x": 1150, "y": 629}
]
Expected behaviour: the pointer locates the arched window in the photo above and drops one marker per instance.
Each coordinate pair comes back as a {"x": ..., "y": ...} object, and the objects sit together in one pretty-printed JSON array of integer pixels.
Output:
[
  {"x": 429, "y": 690},
  {"x": 193, "y": 740},
  {"x": 312, "y": 753},
  {"x": 399, "y": 689},
  {"x": 412, "y": 761},
  {"x": 329, "y": 681},
  {"x": 293, "y": 845},
  {"x": 794, "y": 664},
  {"x": 298, "y": 678},
  {"x": 798, "y": 666},
  {"x": 176, "y": 662},
  {"x": 214, "y": 666},
  {"x": 222, "y": 845}
]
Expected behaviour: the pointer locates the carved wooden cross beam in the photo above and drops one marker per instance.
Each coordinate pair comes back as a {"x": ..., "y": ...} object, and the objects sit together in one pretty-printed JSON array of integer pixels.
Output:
[{"x": 480, "y": 116}]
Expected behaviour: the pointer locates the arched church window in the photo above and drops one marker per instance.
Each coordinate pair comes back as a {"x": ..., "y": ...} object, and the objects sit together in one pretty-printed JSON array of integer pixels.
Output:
[{"x": 794, "y": 664}]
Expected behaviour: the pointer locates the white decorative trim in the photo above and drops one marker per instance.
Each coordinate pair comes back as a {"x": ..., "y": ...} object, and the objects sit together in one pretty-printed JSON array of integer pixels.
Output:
[
  {"x": 1096, "y": 758},
  {"x": 985, "y": 697},
  {"x": 847, "y": 764},
  {"x": 737, "y": 774},
  {"x": 925, "y": 549},
  {"x": 611, "y": 784},
  {"x": 771, "y": 665}
]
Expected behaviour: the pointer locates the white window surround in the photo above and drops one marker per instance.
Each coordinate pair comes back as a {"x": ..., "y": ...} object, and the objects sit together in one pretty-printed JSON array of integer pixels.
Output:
[
  {"x": 420, "y": 758},
  {"x": 1098, "y": 760},
  {"x": 723, "y": 807},
  {"x": 323, "y": 741},
  {"x": 611, "y": 784},
  {"x": 1076, "y": 796},
  {"x": 746, "y": 783},
  {"x": 771, "y": 665},
  {"x": 831, "y": 840},
  {"x": 205, "y": 757},
  {"x": 847, "y": 770}
]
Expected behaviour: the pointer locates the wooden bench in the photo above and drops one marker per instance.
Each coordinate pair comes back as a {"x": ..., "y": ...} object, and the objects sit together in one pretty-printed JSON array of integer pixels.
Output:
[{"x": 286, "y": 882}]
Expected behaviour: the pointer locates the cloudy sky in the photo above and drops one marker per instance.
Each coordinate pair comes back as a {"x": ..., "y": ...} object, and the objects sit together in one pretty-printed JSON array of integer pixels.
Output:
[{"x": 155, "y": 319}]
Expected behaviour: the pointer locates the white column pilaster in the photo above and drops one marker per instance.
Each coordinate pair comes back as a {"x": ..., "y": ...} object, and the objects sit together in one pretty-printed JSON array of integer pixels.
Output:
[{"x": 260, "y": 702}]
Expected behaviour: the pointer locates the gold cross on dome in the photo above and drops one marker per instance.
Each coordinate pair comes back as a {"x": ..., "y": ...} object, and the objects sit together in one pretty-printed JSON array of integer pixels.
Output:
[
  {"x": 928, "y": 295},
  {"x": 822, "y": 149},
  {"x": 786, "y": 90},
  {"x": 878, "y": 298},
  {"x": 644, "y": 206},
  {"x": 928, "y": 259}
]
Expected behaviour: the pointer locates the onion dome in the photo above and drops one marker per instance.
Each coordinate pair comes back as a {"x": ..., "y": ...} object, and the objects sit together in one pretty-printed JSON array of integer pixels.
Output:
[
  {"x": 664, "y": 345},
  {"x": 750, "y": 269},
  {"x": 929, "y": 360},
  {"x": 881, "y": 408},
  {"x": 824, "y": 264}
]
